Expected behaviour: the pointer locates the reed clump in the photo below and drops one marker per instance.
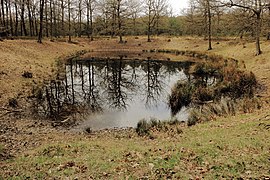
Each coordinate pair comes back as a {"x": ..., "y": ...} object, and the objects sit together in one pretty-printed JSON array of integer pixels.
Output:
[
  {"x": 223, "y": 108},
  {"x": 147, "y": 127},
  {"x": 216, "y": 88}
]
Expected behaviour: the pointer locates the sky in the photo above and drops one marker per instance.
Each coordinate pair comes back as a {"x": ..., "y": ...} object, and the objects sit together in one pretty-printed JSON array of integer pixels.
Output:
[{"x": 177, "y": 5}]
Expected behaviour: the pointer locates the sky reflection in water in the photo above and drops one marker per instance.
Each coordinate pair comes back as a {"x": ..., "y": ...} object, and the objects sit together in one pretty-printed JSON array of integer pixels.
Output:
[{"x": 118, "y": 93}]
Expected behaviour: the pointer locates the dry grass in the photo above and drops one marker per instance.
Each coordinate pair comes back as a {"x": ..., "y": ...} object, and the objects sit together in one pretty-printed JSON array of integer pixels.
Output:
[
  {"x": 229, "y": 148},
  {"x": 19, "y": 56}
]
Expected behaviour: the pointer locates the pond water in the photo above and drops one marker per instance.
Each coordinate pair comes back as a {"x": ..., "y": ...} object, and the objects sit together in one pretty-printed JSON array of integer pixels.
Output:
[{"x": 115, "y": 93}]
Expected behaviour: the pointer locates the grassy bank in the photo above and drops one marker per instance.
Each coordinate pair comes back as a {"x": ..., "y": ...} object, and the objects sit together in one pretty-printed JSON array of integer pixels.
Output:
[
  {"x": 233, "y": 147},
  {"x": 236, "y": 147}
]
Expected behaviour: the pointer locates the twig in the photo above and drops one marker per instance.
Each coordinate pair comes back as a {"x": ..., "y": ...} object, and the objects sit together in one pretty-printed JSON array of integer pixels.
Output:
[
  {"x": 267, "y": 117},
  {"x": 66, "y": 120},
  {"x": 11, "y": 110}
]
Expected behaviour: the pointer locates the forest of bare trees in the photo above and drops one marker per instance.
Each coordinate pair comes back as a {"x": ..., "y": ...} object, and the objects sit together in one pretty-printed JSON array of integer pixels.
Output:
[
  {"x": 89, "y": 18},
  {"x": 53, "y": 18}
]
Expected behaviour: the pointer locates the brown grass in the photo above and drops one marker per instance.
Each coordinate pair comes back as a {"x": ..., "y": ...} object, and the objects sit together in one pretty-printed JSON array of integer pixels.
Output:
[{"x": 211, "y": 150}]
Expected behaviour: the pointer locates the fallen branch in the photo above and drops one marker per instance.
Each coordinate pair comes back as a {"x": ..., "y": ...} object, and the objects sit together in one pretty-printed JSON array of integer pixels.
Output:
[
  {"x": 66, "y": 120},
  {"x": 267, "y": 117},
  {"x": 11, "y": 110}
]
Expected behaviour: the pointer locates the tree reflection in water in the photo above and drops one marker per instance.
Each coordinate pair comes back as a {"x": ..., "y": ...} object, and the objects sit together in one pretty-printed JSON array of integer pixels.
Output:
[{"x": 112, "y": 86}]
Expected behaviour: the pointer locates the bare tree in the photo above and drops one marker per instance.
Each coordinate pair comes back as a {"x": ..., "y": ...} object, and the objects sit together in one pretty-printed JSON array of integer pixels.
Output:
[
  {"x": 10, "y": 17},
  {"x": 121, "y": 10},
  {"x": 29, "y": 6},
  {"x": 135, "y": 8},
  {"x": 90, "y": 6},
  {"x": 41, "y": 21},
  {"x": 46, "y": 18},
  {"x": 151, "y": 15},
  {"x": 154, "y": 10},
  {"x": 80, "y": 17},
  {"x": 23, "y": 26},
  {"x": 161, "y": 9},
  {"x": 16, "y": 18},
  {"x": 2, "y": 13},
  {"x": 34, "y": 14},
  {"x": 209, "y": 32},
  {"x": 200, "y": 17},
  {"x": 268, "y": 34},
  {"x": 69, "y": 21},
  {"x": 113, "y": 18},
  {"x": 256, "y": 7},
  {"x": 63, "y": 18}
]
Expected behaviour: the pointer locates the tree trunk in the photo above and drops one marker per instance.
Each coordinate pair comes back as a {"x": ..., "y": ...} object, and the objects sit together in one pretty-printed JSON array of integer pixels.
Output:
[
  {"x": 54, "y": 20},
  {"x": 87, "y": 18},
  {"x": 205, "y": 19},
  {"x": 258, "y": 33},
  {"x": 16, "y": 18},
  {"x": 11, "y": 20},
  {"x": 58, "y": 20},
  {"x": 268, "y": 34},
  {"x": 22, "y": 19},
  {"x": 149, "y": 25},
  {"x": 91, "y": 21},
  {"x": 3, "y": 12},
  {"x": 46, "y": 19},
  {"x": 62, "y": 18},
  {"x": 0, "y": 14},
  {"x": 209, "y": 25},
  {"x": 35, "y": 23},
  {"x": 69, "y": 22},
  {"x": 30, "y": 18},
  {"x": 119, "y": 18},
  {"x": 41, "y": 21},
  {"x": 80, "y": 18},
  {"x": 51, "y": 20},
  {"x": 149, "y": 33},
  {"x": 7, "y": 16}
]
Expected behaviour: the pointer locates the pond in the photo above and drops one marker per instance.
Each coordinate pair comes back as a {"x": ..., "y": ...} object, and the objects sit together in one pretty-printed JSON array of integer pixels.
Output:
[{"x": 114, "y": 93}]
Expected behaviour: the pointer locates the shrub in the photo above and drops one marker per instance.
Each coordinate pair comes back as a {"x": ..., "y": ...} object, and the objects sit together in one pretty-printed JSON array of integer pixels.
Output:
[
  {"x": 207, "y": 69},
  {"x": 203, "y": 94},
  {"x": 146, "y": 128},
  {"x": 193, "y": 118},
  {"x": 231, "y": 83},
  {"x": 181, "y": 96},
  {"x": 237, "y": 84},
  {"x": 225, "y": 107},
  {"x": 143, "y": 128}
]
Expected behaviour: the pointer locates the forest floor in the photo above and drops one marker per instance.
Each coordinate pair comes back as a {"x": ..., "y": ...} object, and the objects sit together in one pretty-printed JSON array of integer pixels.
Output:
[{"x": 232, "y": 147}]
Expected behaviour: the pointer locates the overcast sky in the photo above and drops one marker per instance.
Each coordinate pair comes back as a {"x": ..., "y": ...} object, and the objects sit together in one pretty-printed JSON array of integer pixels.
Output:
[{"x": 177, "y": 5}]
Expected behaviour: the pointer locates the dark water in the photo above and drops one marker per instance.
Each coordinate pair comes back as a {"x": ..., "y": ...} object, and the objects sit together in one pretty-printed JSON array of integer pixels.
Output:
[{"x": 115, "y": 93}]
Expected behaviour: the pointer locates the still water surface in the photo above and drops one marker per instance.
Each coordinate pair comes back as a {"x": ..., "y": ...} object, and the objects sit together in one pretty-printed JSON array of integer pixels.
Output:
[{"x": 117, "y": 93}]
